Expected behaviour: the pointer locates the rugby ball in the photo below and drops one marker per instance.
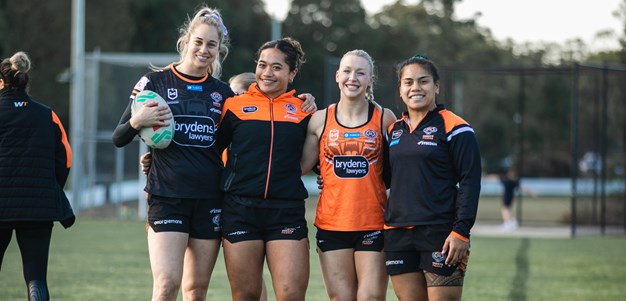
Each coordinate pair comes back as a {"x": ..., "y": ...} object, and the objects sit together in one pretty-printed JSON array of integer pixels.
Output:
[{"x": 157, "y": 136}]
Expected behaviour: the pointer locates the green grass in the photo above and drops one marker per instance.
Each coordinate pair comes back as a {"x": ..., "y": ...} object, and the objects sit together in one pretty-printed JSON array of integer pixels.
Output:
[{"x": 106, "y": 259}]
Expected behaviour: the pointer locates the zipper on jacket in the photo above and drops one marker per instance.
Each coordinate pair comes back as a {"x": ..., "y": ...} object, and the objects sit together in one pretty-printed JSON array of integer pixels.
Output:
[{"x": 269, "y": 163}]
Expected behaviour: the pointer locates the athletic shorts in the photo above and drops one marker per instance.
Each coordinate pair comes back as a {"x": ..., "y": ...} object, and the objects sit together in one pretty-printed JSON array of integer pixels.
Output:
[
  {"x": 357, "y": 240},
  {"x": 243, "y": 220},
  {"x": 419, "y": 248},
  {"x": 200, "y": 218}
]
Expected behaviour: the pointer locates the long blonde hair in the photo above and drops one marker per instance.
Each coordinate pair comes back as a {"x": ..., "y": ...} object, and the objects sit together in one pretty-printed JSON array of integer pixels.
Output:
[{"x": 212, "y": 17}]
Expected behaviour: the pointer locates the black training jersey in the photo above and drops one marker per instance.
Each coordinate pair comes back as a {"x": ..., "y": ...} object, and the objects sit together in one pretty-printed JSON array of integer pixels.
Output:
[
  {"x": 435, "y": 172},
  {"x": 191, "y": 166}
]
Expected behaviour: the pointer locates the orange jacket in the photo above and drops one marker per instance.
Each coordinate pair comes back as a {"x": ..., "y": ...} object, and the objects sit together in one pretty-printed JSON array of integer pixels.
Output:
[{"x": 265, "y": 138}]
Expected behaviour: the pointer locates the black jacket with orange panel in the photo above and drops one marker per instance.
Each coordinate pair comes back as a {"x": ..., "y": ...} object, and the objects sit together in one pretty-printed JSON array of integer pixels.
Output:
[
  {"x": 435, "y": 172},
  {"x": 265, "y": 138},
  {"x": 35, "y": 161}
]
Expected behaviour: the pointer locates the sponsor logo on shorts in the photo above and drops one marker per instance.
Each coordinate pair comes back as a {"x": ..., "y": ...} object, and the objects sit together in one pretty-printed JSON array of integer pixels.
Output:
[
  {"x": 394, "y": 262},
  {"x": 374, "y": 234},
  {"x": 168, "y": 221},
  {"x": 288, "y": 231},
  {"x": 369, "y": 238},
  {"x": 217, "y": 222},
  {"x": 237, "y": 233},
  {"x": 438, "y": 259}
]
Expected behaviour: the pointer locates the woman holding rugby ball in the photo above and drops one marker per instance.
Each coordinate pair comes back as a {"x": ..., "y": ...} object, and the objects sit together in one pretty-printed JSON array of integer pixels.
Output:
[{"x": 184, "y": 197}]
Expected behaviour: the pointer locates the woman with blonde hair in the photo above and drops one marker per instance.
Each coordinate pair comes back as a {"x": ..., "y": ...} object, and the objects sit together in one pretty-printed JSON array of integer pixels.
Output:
[
  {"x": 184, "y": 200},
  {"x": 184, "y": 196},
  {"x": 348, "y": 139}
]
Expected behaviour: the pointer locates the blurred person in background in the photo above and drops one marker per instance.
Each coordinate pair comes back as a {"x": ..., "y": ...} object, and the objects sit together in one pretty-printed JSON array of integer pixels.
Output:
[
  {"x": 35, "y": 160},
  {"x": 510, "y": 184},
  {"x": 241, "y": 82}
]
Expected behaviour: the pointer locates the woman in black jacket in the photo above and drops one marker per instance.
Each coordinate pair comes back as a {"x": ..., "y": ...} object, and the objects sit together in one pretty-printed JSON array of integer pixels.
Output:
[{"x": 35, "y": 160}]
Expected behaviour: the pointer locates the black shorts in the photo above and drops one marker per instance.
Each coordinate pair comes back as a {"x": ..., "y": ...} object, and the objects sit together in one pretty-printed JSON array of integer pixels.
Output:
[
  {"x": 200, "y": 218},
  {"x": 244, "y": 221},
  {"x": 418, "y": 248},
  {"x": 357, "y": 240}
]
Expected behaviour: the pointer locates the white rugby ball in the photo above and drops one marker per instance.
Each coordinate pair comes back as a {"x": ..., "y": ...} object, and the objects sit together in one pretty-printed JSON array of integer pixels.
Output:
[{"x": 157, "y": 136}]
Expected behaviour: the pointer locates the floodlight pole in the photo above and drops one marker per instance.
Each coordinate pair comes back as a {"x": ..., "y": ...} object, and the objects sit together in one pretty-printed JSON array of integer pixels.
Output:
[
  {"x": 77, "y": 96},
  {"x": 574, "y": 148},
  {"x": 278, "y": 10},
  {"x": 276, "y": 29}
]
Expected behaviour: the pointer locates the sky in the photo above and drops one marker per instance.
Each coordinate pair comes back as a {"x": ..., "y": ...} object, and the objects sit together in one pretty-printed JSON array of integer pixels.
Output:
[
  {"x": 529, "y": 20},
  {"x": 538, "y": 20}
]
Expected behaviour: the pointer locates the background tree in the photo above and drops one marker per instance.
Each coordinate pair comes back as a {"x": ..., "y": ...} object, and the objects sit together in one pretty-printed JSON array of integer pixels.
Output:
[
  {"x": 326, "y": 29},
  {"x": 482, "y": 77}
]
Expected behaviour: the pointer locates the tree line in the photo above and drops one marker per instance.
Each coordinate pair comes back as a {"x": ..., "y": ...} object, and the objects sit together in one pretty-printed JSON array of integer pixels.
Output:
[{"x": 327, "y": 29}]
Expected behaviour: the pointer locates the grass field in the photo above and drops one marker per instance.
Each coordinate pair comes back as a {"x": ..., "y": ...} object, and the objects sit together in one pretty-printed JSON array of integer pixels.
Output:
[{"x": 107, "y": 259}]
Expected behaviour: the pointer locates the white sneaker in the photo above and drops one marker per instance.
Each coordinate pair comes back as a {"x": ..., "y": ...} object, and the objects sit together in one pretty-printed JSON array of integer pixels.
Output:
[{"x": 510, "y": 225}]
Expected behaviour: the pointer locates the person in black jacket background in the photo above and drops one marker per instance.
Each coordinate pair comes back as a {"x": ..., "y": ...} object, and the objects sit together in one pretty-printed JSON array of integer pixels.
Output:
[{"x": 35, "y": 160}]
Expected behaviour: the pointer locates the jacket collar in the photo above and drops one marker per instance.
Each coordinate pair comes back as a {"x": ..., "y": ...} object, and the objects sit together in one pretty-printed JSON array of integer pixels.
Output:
[{"x": 253, "y": 90}]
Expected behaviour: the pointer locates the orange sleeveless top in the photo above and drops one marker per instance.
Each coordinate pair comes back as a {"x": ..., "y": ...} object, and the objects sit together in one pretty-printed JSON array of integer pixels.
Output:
[{"x": 351, "y": 164}]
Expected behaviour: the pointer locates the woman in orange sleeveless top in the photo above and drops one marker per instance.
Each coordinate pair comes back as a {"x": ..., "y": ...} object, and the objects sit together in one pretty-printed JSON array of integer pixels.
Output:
[{"x": 348, "y": 139}]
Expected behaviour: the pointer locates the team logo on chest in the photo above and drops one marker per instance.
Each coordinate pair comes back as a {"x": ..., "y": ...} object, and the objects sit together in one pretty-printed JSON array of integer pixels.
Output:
[
  {"x": 428, "y": 133},
  {"x": 333, "y": 135},
  {"x": 396, "y": 134},
  {"x": 172, "y": 93},
  {"x": 217, "y": 97},
  {"x": 291, "y": 109},
  {"x": 395, "y": 137}
]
